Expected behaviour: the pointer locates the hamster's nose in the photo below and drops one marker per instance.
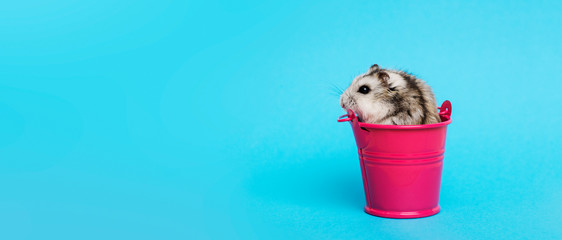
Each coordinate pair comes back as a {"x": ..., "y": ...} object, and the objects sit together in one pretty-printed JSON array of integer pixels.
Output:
[{"x": 342, "y": 104}]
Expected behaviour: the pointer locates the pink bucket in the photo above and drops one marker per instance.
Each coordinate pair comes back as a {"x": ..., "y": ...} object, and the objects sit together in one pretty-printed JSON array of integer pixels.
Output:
[{"x": 401, "y": 165}]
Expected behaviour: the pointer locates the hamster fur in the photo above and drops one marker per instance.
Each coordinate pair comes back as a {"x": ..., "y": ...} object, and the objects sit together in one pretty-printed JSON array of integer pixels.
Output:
[{"x": 390, "y": 97}]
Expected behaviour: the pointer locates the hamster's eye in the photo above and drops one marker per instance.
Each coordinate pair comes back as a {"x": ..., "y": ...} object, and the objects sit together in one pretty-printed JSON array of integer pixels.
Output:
[{"x": 364, "y": 89}]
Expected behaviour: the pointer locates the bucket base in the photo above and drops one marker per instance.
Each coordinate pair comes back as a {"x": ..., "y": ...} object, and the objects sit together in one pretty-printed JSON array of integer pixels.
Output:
[{"x": 397, "y": 214}]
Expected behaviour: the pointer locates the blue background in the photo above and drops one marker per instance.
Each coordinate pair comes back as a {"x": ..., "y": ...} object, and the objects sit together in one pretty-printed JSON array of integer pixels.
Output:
[{"x": 217, "y": 119}]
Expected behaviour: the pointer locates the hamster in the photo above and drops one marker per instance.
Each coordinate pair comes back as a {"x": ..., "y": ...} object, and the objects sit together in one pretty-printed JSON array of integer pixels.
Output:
[{"x": 390, "y": 97}]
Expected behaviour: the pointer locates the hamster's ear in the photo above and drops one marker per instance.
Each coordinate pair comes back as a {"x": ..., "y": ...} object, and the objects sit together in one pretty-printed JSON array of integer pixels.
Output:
[
  {"x": 374, "y": 68},
  {"x": 384, "y": 77}
]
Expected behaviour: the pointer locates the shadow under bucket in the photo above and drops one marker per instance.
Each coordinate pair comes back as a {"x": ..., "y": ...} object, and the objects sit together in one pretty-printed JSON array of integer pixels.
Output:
[{"x": 401, "y": 165}]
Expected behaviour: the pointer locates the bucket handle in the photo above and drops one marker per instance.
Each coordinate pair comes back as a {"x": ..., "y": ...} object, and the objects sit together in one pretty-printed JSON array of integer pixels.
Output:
[
  {"x": 445, "y": 109},
  {"x": 349, "y": 116}
]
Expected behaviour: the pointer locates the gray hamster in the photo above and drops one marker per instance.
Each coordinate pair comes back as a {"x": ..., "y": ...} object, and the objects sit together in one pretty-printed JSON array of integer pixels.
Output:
[{"x": 390, "y": 97}]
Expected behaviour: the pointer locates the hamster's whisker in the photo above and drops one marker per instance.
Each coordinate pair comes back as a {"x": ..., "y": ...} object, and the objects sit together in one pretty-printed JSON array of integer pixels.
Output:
[{"x": 336, "y": 89}]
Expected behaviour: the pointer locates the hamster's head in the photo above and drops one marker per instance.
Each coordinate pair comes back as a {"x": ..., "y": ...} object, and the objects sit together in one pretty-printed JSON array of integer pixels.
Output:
[{"x": 366, "y": 94}]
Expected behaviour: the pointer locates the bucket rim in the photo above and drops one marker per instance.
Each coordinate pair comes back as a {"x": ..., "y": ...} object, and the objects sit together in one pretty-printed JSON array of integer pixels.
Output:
[
  {"x": 422, "y": 126},
  {"x": 445, "y": 113}
]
